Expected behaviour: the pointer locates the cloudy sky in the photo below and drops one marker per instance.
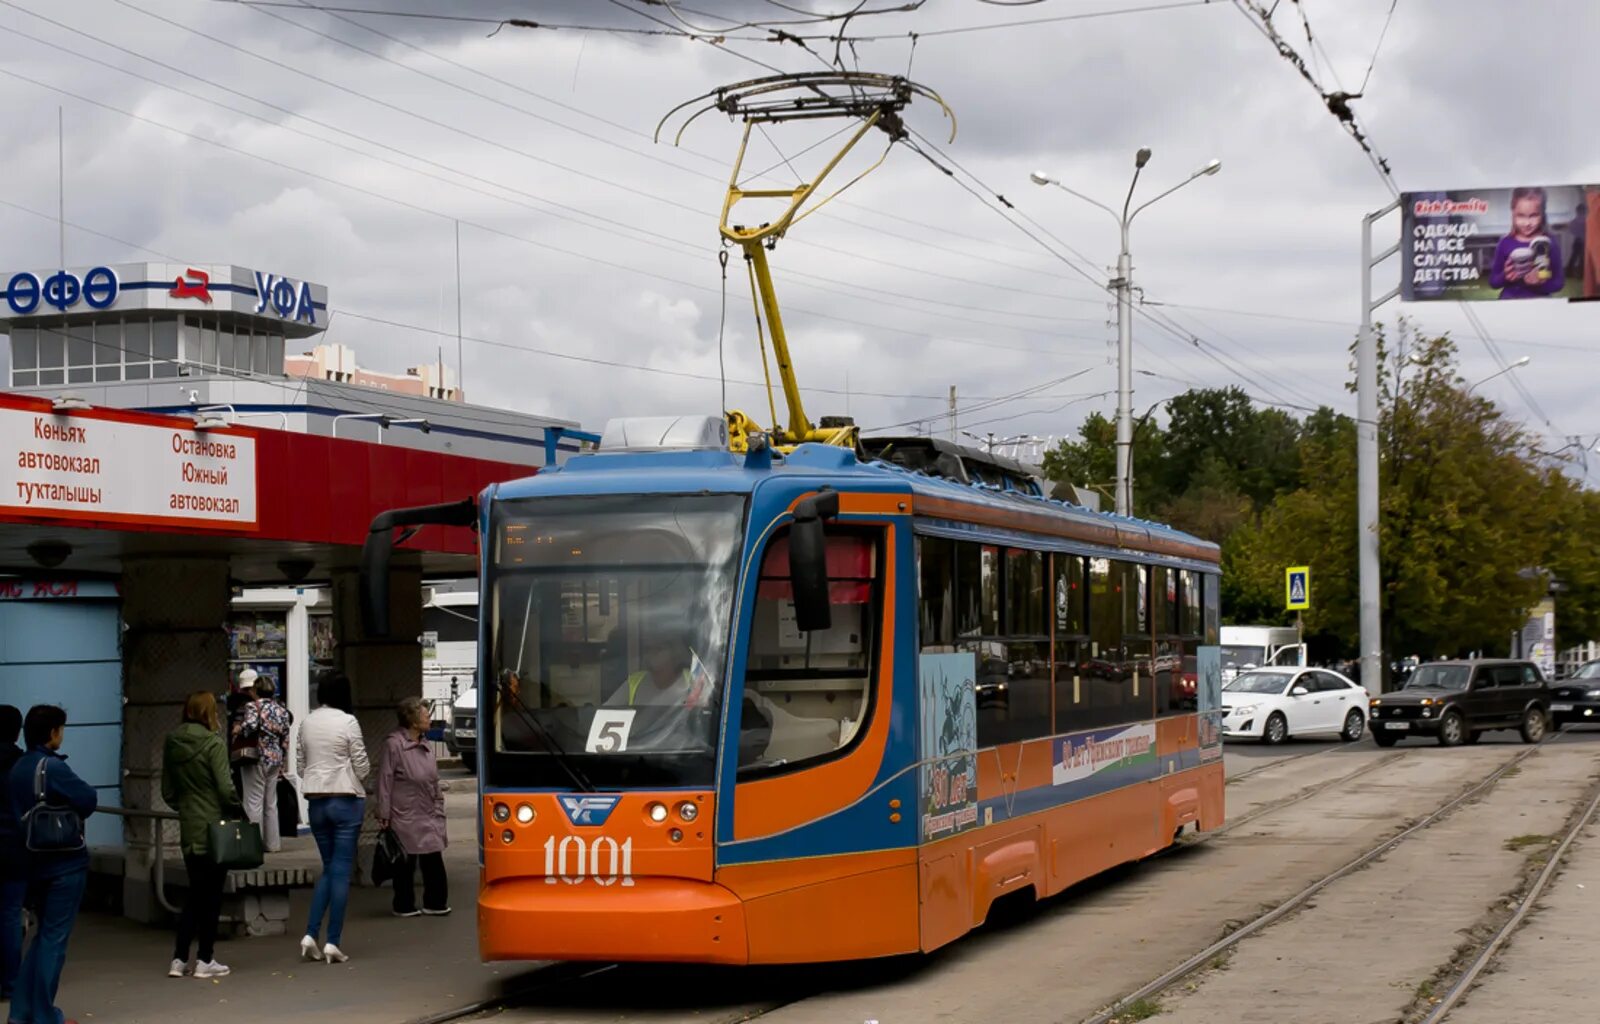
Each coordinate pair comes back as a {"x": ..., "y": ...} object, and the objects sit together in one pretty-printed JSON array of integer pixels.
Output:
[{"x": 346, "y": 148}]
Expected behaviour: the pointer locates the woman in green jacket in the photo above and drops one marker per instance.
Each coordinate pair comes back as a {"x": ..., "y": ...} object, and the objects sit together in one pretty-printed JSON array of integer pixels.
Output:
[{"x": 196, "y": 782}]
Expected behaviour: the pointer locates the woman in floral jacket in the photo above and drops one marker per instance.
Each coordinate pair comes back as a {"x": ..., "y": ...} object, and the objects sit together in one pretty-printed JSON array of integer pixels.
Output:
[{"x": 265, "y": 727}]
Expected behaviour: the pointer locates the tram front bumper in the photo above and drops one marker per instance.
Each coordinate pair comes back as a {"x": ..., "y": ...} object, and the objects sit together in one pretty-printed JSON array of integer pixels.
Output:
[{"x": 655, "y": 919}]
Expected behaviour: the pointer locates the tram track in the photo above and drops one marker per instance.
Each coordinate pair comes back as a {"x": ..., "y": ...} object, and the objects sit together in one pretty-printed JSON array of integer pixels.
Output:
[
  {"x": 1296, "y": 797},
  {"x": 1281, "y": 762},
  {"x": 1283, "y": 909},
  {"x": 1527, "y": 899}
]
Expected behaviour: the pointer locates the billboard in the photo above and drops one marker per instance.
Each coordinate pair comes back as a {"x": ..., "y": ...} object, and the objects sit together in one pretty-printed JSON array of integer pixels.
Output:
[{"x": 1531, "y": 242}]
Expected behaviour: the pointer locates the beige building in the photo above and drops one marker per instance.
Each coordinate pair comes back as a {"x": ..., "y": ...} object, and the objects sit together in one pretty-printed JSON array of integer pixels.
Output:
[{"x": 338, "y": 363}]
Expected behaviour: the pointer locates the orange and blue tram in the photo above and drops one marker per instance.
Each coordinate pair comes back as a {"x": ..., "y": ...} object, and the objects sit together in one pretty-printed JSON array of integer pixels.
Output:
[{"x": 763, "y": 708}]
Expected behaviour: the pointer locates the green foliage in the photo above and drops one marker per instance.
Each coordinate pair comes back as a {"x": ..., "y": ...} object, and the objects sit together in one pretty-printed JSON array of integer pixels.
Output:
[{"x": 1475, "y": 520}]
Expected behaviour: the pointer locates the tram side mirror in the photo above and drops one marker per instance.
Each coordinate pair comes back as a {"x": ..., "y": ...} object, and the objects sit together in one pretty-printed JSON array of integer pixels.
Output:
[
  {"x": 808, "y": 561},
  {"x": 378, "y": 549}
]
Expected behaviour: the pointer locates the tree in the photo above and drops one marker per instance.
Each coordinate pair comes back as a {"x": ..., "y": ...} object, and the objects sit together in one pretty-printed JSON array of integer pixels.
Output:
[{"x": 1462, "y": 516}]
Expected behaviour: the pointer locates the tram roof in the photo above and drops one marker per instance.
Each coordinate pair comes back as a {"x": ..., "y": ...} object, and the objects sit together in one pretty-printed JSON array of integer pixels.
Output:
[{"x": 727, "y": 472}]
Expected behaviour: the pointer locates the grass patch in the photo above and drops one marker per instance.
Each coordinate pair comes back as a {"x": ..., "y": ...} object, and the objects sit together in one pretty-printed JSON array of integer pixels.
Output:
[
  {"x": 1139, "y": 1009},
  {"x": 1425, "y": 990},
  {"x": 1516, "y": 844}
]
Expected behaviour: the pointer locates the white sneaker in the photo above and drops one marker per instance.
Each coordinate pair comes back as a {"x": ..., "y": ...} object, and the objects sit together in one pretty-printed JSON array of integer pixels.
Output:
[
  {"x": 178, "y": 969},
  {"x": 308, "y": 949},
  {"x": 436, "y": 913},
  {"x": 211, "y": 969}
]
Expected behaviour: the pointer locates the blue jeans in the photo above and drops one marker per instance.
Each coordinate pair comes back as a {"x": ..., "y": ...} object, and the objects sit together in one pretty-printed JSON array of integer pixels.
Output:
[
  {"x": 34, "y": 1001},
  {"x": 12, "y": 893},
  {"x": 336, "y": 826}
]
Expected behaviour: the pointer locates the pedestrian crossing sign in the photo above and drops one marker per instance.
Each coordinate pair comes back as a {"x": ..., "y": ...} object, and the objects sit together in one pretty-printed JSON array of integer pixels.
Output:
[{"x": 1297, "y": 586}]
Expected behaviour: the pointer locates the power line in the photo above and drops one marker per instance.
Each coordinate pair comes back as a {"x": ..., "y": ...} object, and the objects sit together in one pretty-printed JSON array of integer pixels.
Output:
[
  {"x": 1378, "y": 47},
  {"x": 548, "y": 246},
  {"x": 618, "y": 224}
]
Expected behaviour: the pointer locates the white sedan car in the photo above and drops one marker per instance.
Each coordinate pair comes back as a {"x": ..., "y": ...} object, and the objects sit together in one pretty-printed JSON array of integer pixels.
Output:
[{"x": 1272, "y": 704}]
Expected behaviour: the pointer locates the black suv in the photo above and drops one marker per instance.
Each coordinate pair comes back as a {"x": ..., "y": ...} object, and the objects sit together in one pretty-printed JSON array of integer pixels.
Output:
[{"x": 1458, "y": 701}]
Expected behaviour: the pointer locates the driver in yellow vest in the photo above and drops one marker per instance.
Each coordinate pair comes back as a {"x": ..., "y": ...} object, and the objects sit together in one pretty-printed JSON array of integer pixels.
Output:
[{"x": 665, "y": 679}]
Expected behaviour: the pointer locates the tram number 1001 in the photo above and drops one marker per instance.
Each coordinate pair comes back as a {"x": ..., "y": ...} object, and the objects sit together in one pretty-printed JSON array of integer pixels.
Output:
[{"x": 572, "y": 860}]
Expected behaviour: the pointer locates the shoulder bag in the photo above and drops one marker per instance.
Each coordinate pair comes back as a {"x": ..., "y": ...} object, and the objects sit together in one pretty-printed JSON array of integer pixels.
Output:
[
  {"x": 48, "y": 829},
  {"x": 244, "y": 745},
  {"x": 235, "y": 845}
]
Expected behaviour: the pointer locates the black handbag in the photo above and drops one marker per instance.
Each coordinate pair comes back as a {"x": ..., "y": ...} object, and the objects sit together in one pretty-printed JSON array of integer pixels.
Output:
[
  {"x": 386, "y": 856},
  {"x": 48, "y": 829},
  {"x": 235, "y": 845},
  {"x": 288, "y": 810}
]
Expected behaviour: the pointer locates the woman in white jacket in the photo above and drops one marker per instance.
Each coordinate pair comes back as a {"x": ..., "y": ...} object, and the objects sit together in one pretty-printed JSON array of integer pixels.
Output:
[{"x": 333, "y": 765}]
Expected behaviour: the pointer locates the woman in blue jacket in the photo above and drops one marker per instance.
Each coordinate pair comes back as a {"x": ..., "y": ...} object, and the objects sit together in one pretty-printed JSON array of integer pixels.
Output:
[{"x": 57, "y": 876}]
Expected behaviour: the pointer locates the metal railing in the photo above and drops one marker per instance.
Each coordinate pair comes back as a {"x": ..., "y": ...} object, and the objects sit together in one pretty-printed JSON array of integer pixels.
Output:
[{"x": 158, "y": 880}]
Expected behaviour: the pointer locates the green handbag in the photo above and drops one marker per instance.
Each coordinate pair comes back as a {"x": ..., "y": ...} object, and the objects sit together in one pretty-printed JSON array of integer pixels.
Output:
[{"x": 236, "y": 845}]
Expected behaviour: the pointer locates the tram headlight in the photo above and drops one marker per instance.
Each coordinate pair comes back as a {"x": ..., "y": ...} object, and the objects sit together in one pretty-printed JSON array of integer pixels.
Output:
[
  {"x": 657, "y": 812},
  {"x": 524, "y": 814},
  {"x": 688, "y": 811},
  {"x": 502, "y": 813}
]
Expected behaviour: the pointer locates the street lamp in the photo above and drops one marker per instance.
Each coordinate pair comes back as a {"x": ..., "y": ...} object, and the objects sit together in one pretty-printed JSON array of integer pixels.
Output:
[
  {"x": 1524, "y": 361},
  {"x": 1122, "y": 284}
]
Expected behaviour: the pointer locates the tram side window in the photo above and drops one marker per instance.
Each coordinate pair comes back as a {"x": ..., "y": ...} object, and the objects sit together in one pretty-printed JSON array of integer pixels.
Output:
[
  {"x": 1013, "y": 691},
  {"x": 1213, "y": 608},
  {"x": 969, "y": 589},
  {"x": 936, "y": 570},
  {"x": 1190, "y": 624},
  {"x": 808, "y": 694},
  {"x": 1094, "y": 678},
  {"x": 1025, "y": 606},
  {"x": 1137, "y": 651}
]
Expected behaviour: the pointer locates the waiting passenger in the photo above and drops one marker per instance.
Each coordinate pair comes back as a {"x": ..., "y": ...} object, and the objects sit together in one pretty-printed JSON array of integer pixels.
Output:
[
  {"x": 411, "y": 803},
  {"x": 333, "y": 765},
  {"x": 56, "y": 802},
  {"x": 13, "y": 859},
  {"x": 196, "y": 783},
  {"x": 266, "y": 723}
]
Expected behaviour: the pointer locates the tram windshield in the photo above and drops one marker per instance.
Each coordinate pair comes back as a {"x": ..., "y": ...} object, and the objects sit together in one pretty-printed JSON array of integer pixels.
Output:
[{"x": 611, "y": 618}]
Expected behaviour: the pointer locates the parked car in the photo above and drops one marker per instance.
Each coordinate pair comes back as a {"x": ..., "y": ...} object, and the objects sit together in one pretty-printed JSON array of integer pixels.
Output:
[
  {"x": 461, "y": 735},
  {"x": 1458, "y": 701},
  {"x": 1577, "y": 699},
  {"x": 1272, "y": 704}
]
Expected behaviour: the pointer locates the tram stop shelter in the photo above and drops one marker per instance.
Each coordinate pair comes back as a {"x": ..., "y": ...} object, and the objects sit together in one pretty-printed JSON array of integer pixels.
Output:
[{"x": 145, "y": 485}]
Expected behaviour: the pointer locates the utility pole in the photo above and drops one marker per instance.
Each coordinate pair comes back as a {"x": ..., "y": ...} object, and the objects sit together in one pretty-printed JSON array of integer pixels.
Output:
[
  {"x": 952, "y": 412},
  {"x": 1368, "y": 565},
  {"x": 1122, "y": 285}
]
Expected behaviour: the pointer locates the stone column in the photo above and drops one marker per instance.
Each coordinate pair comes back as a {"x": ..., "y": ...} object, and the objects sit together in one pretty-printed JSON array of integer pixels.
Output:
[
  {"x": 382, "y": 670},
  {"x": 173, "y": 610}
]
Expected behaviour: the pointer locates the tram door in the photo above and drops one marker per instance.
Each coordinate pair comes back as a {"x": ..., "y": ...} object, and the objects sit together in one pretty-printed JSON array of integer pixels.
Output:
[{"x": 814, "y": 725}]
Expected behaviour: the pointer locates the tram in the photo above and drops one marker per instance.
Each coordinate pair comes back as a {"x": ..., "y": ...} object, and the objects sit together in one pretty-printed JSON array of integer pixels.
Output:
[{"x": 779, "y": 696}]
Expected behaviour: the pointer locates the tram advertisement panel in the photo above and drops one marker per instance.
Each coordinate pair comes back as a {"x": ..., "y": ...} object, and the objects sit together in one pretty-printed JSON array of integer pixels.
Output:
[
  {"x": 949, "y": 773},
  {"x": 1208, "y": 693},
  {"x": 1531, "y": 242},
  {"x": 1096, "y": 762}
]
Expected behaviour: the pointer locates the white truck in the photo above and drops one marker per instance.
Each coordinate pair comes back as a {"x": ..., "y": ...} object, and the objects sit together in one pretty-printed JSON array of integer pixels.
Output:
[
  {"x": 450, "y": 666},
  {"x": 1247, "y": 647}
]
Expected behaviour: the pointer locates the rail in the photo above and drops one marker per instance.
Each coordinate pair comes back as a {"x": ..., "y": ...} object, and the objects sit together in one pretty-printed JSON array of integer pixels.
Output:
[{"x": 158, "y": 880}]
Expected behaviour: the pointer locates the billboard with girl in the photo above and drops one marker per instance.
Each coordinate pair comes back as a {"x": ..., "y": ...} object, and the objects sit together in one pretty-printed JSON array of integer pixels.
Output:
[{"x": 1528, "y": 242}]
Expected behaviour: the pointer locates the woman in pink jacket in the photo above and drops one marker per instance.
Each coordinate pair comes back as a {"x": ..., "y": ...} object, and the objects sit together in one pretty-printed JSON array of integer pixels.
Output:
[{"x": 411, "y": 803}]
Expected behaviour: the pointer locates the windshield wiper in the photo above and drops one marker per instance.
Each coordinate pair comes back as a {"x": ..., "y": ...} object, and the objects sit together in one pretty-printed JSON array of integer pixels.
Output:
[{"x": 531, "y": 719}]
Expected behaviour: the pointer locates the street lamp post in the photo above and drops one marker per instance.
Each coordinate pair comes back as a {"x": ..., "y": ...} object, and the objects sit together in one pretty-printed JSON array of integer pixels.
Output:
[
  {"x": 1524, "y": 361},
  {"x": 1122, "y": 284}
]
